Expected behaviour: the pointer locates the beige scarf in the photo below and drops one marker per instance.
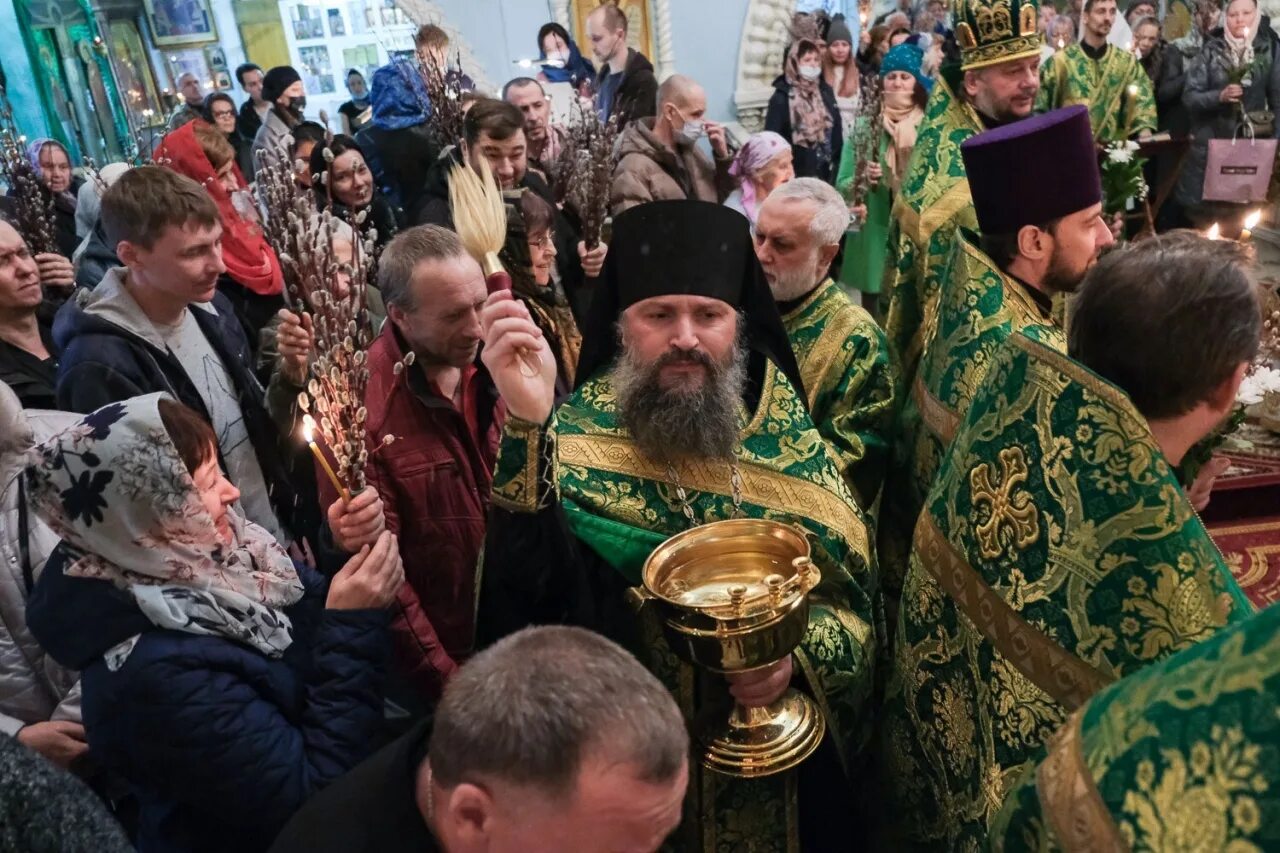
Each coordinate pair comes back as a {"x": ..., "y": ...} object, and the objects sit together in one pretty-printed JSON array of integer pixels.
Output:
[{"x": 901, "y": 118}]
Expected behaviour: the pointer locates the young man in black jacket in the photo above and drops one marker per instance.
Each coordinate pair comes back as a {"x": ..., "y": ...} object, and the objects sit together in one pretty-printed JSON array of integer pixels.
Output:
[
  {"x": 160, "y": 324},
  {"x": 626, "y": 86}
]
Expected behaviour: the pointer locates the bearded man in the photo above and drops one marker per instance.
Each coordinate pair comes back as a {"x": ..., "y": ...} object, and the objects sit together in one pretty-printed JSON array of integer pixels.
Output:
[
  {"x": 995, "y": 83},
  {"x": 1057, "y": 552},
  {"x": 1107, "y": 79},
  {"x": 689, "y": 409},
  {"x": 1040, "y": 234}
]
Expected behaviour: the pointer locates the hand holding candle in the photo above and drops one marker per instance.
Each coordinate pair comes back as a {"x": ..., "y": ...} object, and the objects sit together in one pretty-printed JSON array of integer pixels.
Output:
[{"x": 308, "y": 434}]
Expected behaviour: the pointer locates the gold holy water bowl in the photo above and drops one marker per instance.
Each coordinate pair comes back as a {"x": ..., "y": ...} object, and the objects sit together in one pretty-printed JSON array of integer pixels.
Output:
[{"x": 733, "y": 597}]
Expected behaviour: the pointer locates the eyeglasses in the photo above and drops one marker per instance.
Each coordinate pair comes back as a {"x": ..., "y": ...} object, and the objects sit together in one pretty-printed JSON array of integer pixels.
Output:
[{"x": 546, "y": 241}]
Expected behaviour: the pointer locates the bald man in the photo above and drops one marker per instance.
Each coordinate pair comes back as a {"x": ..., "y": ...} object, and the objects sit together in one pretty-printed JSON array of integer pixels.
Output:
[
  {"x": 192, "y": 100},
  {"x": 658, "y": 157}
]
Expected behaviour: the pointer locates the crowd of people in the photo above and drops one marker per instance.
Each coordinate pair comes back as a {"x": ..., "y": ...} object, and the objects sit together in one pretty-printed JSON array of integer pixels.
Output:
[{"x": 941, "y": 360}]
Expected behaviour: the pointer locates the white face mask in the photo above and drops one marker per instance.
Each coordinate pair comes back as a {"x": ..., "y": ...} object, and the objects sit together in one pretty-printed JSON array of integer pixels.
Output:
[
  {"x": 810, "y": 72},
  {"x": 558, "y": 58},
  {"x": 691, "y": 132}
]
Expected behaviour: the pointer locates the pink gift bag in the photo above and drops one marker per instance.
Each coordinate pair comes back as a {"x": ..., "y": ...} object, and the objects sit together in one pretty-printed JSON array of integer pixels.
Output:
[{"x": 1239, "y": 170}]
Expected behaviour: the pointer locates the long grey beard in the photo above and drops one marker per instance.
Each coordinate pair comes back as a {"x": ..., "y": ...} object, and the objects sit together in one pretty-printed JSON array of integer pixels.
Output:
[{"x": 669, "y": 425}]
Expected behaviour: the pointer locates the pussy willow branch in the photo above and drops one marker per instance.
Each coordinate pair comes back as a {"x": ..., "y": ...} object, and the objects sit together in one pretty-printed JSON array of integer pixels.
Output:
[
  {"x": 588, "y": 170},
  {"x": 866, "y": 140},
  {"x": 304, "y": 238},
  {"x": 445, "y": 124},
  {"x": 32, "y": 204}
]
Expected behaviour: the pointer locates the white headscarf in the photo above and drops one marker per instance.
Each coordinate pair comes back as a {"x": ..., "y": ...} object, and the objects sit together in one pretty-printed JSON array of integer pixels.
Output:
[{"x": 115, "y": 489}]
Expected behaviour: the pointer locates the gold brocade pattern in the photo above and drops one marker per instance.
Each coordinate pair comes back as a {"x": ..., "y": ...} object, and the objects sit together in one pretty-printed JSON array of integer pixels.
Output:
[
  {"x": 1070, "y": 799},
  {"x": 760, "y": 486},
  {"x": 516, "y": 488},
  {"x": 1013, "y": 630},
  {"x": 1003, "y": 505}
]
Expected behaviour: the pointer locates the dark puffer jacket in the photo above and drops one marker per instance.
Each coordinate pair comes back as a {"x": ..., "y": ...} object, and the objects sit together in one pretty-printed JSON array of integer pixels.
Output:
[{"x": 220, "y": 743}]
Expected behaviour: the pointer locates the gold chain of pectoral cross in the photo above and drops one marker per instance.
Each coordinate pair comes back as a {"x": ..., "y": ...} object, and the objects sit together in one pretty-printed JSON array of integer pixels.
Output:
[{"x": 735, "y": 484}]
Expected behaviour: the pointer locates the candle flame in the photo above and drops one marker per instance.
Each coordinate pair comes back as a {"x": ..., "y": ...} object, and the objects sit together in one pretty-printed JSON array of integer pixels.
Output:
[
  {"x": 1251, "y": 221},
  {"x": 308, "y": 428},
  {"x": 1133, "y": 89},
  {"x": 1061, "y": 44},
  {"x": 1214, "y": 232}
]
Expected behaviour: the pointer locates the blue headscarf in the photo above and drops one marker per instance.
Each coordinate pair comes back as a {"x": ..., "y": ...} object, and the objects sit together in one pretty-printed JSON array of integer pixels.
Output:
[
  {"x": 577, "y": 69},
  {"x": 399, "y": 97}
]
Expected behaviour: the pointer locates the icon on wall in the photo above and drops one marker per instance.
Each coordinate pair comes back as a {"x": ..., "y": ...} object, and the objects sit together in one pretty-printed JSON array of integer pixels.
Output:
[
  {"x": 177, "y": 22},
  {"x": 308, "y": 22},
  {"x": 337, "y": 27},
  {"x": 316, "y": 70}
]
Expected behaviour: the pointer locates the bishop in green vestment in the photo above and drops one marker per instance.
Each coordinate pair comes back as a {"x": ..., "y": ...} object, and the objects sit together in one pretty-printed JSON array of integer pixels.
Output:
[
  {"x": 1106, "y": 79},
  {"x": 1057, "y": 552},
  {"x": 842, "y": 353},
  {"x": 1184, "y": 755},
  {"x": 680, "y": 418},
  {"x": 1045, "y": 231},
  {"x": 995, "y": 82}
]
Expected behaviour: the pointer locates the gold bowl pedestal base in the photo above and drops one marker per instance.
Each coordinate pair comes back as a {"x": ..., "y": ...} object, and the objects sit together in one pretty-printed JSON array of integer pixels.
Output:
[{"x": 763, "y": 741}]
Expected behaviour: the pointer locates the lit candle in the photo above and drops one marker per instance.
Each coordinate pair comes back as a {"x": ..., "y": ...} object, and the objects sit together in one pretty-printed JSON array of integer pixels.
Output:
[
  {"x": 1061, "y": 43},
  {"x": 1214, "y": 232},
  {"x": 1250, "y": 222},
  {"x": 308, "y": 433}
]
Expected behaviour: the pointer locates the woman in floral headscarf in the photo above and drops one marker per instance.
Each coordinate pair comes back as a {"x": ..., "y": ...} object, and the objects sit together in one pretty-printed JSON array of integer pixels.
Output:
[
  {"x": 52, "y": 164},
  {"x": 223, "y": 681},
  {"x": 905, "y": 92},
  {"x": 804, "y": 112}
]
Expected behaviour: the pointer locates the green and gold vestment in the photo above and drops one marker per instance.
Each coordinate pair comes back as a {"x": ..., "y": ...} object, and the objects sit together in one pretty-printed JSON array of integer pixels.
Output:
[
  {"x": 1056, "y": 554},
  {"x": 1116, "y": 90},
  {"x": 932, "y": 201},
  {"x": 849, "y": 379},
  {"x": 1184, "y": 755},
  {"x": 615, "y": 506},
  {"x": 979, "y": 308}
]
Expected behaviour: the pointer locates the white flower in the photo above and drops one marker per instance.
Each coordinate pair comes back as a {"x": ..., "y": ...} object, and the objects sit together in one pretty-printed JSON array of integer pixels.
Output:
[
  {"x": 1257, "y": 384},
  {"x": 1119, "y": 155}
]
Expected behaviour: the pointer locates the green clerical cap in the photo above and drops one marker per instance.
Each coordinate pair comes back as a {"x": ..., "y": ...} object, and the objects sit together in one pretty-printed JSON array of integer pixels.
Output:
[{"x": 994, "y": 31}]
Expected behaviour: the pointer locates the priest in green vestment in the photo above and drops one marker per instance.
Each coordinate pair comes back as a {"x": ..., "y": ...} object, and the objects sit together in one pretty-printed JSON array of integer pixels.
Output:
[
  {"x": 1041, "y": 232},
  {"x": 1057, "y": 552},
  {"x": 1184, "y": 755},
  {"x": 843, "y": 355},
  {"x": 1107, "y": 79},
  {"x": 689, "y": 409},
  {"x": 995, "y": 82}
]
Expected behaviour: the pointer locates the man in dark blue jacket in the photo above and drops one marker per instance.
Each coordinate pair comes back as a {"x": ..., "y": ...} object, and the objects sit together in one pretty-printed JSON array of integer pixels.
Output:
[{"x": 159, "y": 324}]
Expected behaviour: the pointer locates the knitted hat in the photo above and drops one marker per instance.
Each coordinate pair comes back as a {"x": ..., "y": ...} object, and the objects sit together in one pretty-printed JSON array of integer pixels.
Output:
[
  {"x": 1010, "y": 187},
  {"x": 993, "y": 31},
  {"x": 839, "y": 31},
  {"x": 277, "y": 80},
  {"x": 905, "y": 57}
]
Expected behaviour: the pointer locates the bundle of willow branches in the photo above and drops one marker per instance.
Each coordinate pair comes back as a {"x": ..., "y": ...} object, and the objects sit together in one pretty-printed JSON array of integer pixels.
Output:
[
  {"x": 327, "y": 264},
  {"x": 867, "y": 129},
  {"x": 444, "y": 91},
  {"x": 585, "y": 168},
  {"x": 31, "y": 205}
]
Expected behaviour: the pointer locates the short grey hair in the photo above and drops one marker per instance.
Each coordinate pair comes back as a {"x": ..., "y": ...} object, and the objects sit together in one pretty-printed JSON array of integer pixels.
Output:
[
  {"x": 830, "y": 220},
  {"x": 529, "y": 709},
  {"x": 403, "y": 254}
]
